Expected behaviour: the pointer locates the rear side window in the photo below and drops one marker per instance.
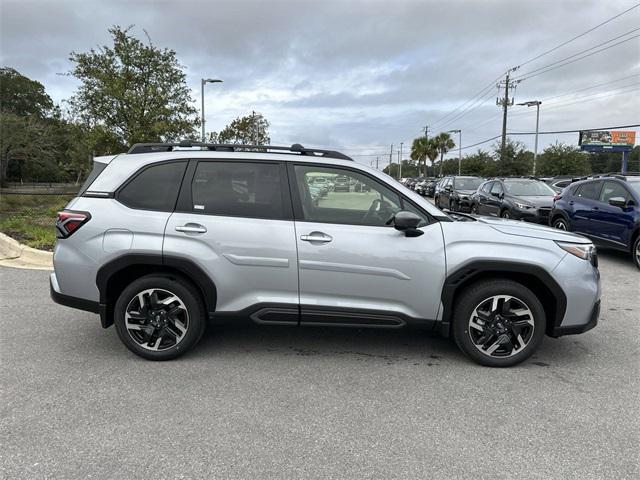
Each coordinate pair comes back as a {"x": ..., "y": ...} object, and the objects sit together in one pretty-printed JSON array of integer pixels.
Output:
[
  {"x": 238, "y": 189},
  {"x": 589, "y": 190},
  {"x": 97, "y": 170},
  {"x": 154, "y": 188}
]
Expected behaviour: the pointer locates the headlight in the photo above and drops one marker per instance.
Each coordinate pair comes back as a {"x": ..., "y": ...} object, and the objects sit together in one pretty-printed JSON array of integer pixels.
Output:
[
  {"x": 523, "y": 206},
  {"x": 585, "y": 251}
]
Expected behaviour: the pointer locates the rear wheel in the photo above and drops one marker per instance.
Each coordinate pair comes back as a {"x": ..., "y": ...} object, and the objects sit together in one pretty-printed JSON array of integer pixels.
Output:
[
  {"x": 453, "y": 205},
  {"x": 474, "y": 209},
  {"x": 636, "y": 251},
  {"x": 498, "y": 323},
  {"x": 159, "y": 317},
  {"x": 505, "y": 214}
]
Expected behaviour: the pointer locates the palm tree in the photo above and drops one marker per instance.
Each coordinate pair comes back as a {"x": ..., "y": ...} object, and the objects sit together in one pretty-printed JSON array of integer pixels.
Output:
[
  {"x": 443, "y": 143},
  {"x": 423, "y": 149}
]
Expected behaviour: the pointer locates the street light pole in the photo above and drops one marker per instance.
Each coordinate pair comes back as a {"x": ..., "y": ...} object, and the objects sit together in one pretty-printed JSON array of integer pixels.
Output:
[
  {"x": 202, "y": 82},
  {"x": 400, "y": 162},
  {"x": 459, "y": 132},
  {"x": 534, "y": 103}
]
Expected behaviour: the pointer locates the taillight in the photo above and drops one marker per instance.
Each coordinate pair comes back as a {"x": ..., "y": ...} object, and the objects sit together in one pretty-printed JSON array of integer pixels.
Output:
[{"x": 69, "y": 221}]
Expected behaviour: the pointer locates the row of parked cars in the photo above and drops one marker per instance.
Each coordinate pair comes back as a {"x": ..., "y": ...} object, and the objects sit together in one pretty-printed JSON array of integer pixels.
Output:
[{"x": 605, "y": 208}]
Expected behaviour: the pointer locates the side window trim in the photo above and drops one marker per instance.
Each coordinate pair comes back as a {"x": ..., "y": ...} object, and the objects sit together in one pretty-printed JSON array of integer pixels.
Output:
[
  {"x": 298, "y": 213},
  {"x": 185, "y": 198}
]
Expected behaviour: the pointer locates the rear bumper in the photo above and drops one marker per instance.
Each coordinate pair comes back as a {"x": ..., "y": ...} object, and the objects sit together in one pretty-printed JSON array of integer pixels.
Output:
[{"x": 68, "y": 301}]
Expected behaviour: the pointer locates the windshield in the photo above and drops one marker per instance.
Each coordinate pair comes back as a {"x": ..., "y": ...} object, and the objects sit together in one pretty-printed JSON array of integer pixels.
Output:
[
  {"x": 467, "y": 183},
  {"x": 525, "y": 188},
  {"x": 635, "y": 184}
]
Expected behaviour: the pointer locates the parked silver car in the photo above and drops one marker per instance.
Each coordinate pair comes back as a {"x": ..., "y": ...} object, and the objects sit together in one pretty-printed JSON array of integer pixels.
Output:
[{"x": 168, "y": 236}]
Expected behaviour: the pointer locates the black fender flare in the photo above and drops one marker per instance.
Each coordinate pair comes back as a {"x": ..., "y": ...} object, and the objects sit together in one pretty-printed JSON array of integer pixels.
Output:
[
  {"x": 475, "y": 270},
  {"x": 182, "y": 266}
]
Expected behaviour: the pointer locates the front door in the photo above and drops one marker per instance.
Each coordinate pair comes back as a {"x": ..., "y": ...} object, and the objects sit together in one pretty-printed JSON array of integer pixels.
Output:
[
  {"x": 353, "y": 268},
  {"x": 494, "y": 199},
  {"x": 612, "y": 223}
]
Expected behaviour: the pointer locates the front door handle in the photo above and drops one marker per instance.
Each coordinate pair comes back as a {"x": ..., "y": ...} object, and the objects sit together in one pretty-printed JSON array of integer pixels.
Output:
[
  {"x": 191, "y": 228},
  {"x": 316, "y": 237}
]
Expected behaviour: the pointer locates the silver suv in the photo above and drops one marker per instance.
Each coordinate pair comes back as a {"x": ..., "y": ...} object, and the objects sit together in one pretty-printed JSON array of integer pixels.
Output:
[{"x": 168, "y": 236}]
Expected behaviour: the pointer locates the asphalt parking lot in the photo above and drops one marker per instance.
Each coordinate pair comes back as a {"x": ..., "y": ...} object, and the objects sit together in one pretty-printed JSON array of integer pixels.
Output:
[{"x": 282, "y": 402}]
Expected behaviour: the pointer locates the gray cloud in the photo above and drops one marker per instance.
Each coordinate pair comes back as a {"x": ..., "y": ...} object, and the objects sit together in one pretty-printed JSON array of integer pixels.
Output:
[{"x": 351, "y": 74}]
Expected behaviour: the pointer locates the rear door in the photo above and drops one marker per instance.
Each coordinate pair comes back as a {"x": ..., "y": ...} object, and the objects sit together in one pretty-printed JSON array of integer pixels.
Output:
[
  {"x": 234, "y": 220},
  {"x": 483, "y": 198},
  {"x": 355, "y": 269}
]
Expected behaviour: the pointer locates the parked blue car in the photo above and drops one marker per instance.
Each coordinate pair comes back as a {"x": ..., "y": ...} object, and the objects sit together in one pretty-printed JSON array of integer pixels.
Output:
[{"x": 606, "y": 209}]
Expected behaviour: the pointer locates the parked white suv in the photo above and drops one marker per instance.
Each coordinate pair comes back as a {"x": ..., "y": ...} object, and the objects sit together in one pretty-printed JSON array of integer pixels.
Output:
[{"x": 168, "y": 236}]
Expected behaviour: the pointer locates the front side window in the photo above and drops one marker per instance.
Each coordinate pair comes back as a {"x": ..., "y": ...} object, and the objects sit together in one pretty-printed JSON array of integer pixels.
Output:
[
  {"x": 589, "y": 190},
  {"x": 154, "y": 188},
  {"x": 351, "y": 198},
  {"x": 496, "y": 189},
  {"x": 238, "y": 189},
  {"x": 486, "y": 187},
  {"x": 612, "y": 190}
]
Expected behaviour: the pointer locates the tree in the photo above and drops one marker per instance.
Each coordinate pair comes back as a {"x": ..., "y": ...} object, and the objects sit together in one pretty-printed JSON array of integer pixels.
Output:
[
  {"x": 133, "y": 89},
  {"x": 514, "y": 159},
  {"x": 423, "y": 149},
  {"x": 22, "y": 96},
  {"x": 560, "y": 159},
  {"x": 443, "y": 143},
  {"x": 248, "y": 130},
  {"x": 480, "y": 164},
  {"x": 26, "y": 146}
]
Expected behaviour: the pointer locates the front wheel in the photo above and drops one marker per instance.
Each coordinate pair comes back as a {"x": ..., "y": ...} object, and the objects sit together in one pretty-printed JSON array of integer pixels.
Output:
[
  {"x": 506, "y": 214},
  {"x": 636, "y": 251},
  {"x": 474, "y": 209},
  {"x": 498, "y": 323},
  {"x": 560, "y": 223},
  {"x": 159, "y": 317}
]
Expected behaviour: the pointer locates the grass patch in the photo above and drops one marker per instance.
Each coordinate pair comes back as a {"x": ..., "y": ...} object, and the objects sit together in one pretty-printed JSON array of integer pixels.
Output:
[{"x": 30, "y": 218}]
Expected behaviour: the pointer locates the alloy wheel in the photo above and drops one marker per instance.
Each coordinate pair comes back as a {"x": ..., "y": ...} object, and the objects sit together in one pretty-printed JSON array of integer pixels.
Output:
[
  {"x": 638, "y": 253},
  {"x": 156, "y": 319},
  {"x": 501, "y": 326},
  {"x": 560, "y": 225}
]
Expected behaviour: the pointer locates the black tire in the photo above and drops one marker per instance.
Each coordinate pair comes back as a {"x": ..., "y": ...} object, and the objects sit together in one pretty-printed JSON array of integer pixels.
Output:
[
  {"x": 635, "y": 251},
  {"x": 506, "y": 214},
  {"x": 560, "y": 223},
  {"x": 474, "y": 209},
  {"x": 476, "y": 295},
  {"x": 453, "y": 206},
  {"x": 188, "y": 296}
]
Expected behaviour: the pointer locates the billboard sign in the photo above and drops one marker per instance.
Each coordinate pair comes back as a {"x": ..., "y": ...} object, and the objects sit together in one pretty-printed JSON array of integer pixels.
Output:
[{"x": 607, "y": 140}]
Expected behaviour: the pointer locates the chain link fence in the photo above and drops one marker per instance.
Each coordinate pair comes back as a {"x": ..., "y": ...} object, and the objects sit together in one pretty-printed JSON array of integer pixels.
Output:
[{"x": 28, "y": 211}]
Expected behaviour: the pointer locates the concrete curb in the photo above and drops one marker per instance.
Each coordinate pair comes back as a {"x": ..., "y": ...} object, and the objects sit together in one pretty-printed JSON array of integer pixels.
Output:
[{"x": 15, "y": 254}]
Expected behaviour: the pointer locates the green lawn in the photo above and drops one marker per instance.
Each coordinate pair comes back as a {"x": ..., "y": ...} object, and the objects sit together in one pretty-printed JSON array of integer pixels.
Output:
[{"x": 30, "y": 218}]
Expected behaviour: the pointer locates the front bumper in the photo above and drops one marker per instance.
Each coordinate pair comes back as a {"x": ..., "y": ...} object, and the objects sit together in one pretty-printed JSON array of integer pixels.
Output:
[
  {"x": 576, "y": 329},
  {"x": 534, "y": 215}
]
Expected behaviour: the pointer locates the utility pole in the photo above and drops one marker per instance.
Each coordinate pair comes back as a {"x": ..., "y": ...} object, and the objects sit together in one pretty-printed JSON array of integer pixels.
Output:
[
  {"x": 459, "y": 132},
  {"x": 426, "y": 132},
  {"x": 377, "y": 163},
  {"x": 505, "y": 102},
  {"x": 391, "y": 160},
  {"x": 399, "y": 172},
  {"x": 400, "y": 162}
]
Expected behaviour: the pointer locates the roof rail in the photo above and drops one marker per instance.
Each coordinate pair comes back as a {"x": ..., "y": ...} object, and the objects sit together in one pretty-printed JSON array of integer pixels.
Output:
[{"x": 231, "y": 147}]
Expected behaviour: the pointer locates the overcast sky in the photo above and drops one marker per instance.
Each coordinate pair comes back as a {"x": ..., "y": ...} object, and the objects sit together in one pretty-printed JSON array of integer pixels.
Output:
[{"x": 358, "y": 75}]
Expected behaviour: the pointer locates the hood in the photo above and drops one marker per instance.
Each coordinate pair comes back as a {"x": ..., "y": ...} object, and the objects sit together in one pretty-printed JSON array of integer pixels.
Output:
[
  {"x": 533, "y": 230},
  {"x": 536, "y": 200}
]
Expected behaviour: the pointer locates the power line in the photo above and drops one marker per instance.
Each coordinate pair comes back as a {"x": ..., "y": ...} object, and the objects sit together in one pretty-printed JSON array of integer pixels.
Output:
[
  {"x": 566, "y": 94},
  {"x": 579, "y": 36},
  {"x": 553, "y": 66},
  {"x": 480, "y": 102}
]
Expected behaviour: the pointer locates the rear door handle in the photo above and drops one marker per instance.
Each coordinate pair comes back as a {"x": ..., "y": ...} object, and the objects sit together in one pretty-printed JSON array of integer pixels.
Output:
[
  {"x": 191, "y": 228},
  {"x": 316, "y": 237}
]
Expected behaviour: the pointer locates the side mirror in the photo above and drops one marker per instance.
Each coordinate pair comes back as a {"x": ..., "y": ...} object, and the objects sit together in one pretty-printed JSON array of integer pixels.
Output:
[
  {"x": 406, "y": 222},
  {"x": 448, "y": 188},
  {"x": 618, "y": 202}
]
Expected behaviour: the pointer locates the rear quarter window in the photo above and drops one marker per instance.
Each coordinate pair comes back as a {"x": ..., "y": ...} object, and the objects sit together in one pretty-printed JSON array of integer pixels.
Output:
[{"x": 154, "y": 188}]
